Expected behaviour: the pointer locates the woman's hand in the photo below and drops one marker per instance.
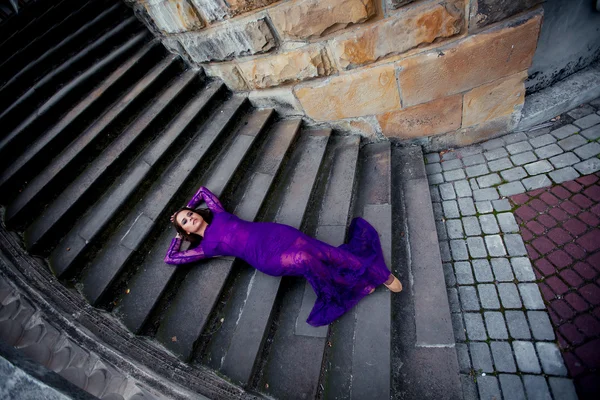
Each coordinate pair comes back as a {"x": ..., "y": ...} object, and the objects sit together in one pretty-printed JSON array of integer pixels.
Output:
[
  {"x": 173, "y": 216},
  {"x": 178, "y": 236}
]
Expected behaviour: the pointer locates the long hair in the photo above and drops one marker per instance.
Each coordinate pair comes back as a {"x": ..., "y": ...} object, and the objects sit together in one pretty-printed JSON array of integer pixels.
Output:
[{"x": 194, "y": 239}]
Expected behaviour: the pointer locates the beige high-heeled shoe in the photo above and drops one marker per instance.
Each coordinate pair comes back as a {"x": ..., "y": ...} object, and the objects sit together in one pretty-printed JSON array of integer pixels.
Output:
[{"x": 395, "y": 286}]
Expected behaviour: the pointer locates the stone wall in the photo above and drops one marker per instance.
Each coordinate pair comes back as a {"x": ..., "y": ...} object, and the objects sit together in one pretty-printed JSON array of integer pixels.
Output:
[{"x": 449, "y": 72}]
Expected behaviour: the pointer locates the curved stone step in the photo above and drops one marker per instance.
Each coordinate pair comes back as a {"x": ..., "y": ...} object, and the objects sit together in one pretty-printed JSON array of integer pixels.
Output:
[
  {"x": 360, "y": 356},
  {"x": 253, "y": 320},
  {"x": 35, "y": 155},
  {"x": 85, "y": 231},
  {"x": 153, "y": 276},
  {"x": 195, "y": 299},
  {"x": 25, "y": 132},
  {"x": 133, "y": 231},
  {"x": 100, "y": 168},
  {"x": 67, "y": 71},
  {"x": 296, "y": 343}
]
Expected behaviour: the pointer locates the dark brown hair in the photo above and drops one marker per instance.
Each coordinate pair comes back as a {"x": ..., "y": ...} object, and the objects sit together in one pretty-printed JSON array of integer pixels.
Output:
[{"x": 194, "y": 239}]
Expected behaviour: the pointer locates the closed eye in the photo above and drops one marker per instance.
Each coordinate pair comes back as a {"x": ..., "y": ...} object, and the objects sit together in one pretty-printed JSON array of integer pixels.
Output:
[{"x": 184, "y": 221}]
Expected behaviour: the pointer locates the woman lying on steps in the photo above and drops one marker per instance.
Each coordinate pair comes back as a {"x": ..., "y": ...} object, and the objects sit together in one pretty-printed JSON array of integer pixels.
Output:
[{"x": 340, "y": 276}]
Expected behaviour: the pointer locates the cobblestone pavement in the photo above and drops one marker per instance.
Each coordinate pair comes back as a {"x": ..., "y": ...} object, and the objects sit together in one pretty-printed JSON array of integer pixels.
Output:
[
  {"x": 506, "y": 344},
  {"x": 560, "y": 227}
]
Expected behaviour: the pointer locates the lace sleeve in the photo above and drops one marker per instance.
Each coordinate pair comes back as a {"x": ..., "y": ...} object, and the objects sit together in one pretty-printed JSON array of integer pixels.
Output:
[
  {"x": 212, "y": 202},
  {"x": 176, "y": 257}
]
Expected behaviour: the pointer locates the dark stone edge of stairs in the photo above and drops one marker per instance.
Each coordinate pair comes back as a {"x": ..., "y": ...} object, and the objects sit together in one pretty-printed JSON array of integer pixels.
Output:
[{"x": 433, "y": 359}]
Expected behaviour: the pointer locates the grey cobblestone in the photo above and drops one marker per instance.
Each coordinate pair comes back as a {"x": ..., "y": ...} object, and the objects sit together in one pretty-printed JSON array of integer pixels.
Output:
[
  {"x": 470, "y": 150},
  {"x": 438, "y": 212},
  {"x": 581, "y": 111},
  {"x": 434, "y": 179},
  {"x": 451, "y": 164},
  {"x": 548, "y": 151},
  {"x": 536, "y": 387},
  {"x": 434, "y": 193},
  {"x": 514, "y": 245},
  {"x": 588, "y": 166},
  {"x": 488, "y": 224},
  {"x": 503, "y": 358},
  {"x": 463, "y": 189},
  {"x": 551, "y": 359},
  {"x": 432, "y": 158},
  {"x": 445, "y": 251},
  {"x": 449, "y": 274},
  {"x": 484, "y": 207},
  {"x": 564, "y": 174},
  {"x": 477, "y": 170},
  {"x": 588, "y": 151},
  {"x": 495, "y": 154},
  {"x": 433, "y": 168},
  {"x": 495, "y": 246},
  {"x": 473, "y": 160},
  {"x": 440, "y": 227},
  {"x": 471, "y": 225},
  {"x": 464, "y": 275},
  {"x": 564, "y": 160},
  {"x": 592, "y": 133},
  {"x": 454, "y": 175},
  {"x": 537, "y": 182},
  {"x": 450, "y": 209},
  {"x": 572, "y": 142},
  {"x": 526, "y": 358},
  {"x": 509, "y": 295},
  {"x": 469, "y": 387},
  {"x": 540, "y": 325},
  {"x": 483, "y": 271},
  {"x": 486, "y": 194},
  {"x": 473, "y": 183},
  {"x": 464, "y": 361},
  {"x": 458, "y": 327},
  {"x": 511, "y": 384},
  {"x": 587, "y": 121},
  {"x": 537, "y": 132},
  {"x": 488, "y": 180},
  {"x": 459, "y": 250},
  {"x": 492, "y": 144},
  {"x": 562, "y": 388},
  {"x": 514, "y": 137},
  {"x": 474, "y": 326},
  {"x": 488, "y": 387},
  {"x": 532, "y": 299},
  {"x": 522, "y": 269},
  {"x": 512, "y": 188},
  {"x": 476, "y": 247},
  {"x": 502, "y": 270},
  {"x": 564, "y": 131},
  {"x": 466, "y": 205},
  {"x": 538, "y": 167},
  {"x": 514, "y": 174},
  {"x": 468, "y": 298},
  {"x": 494, "y": 321},
  {"x": 447, "y": 191},
  {"x": 481, "y": 357},
  {"x": 455, "y": 229},
  {"x": 519, "y": 147},
  {"x": 453, "y": 300},
  {"x": 500, "y": 164},
  {"x": 488, "y": 296},
  {"x": 517, "y": 325},
  {"x": 501, "y": 205},
  {"x": 523, "y": 158},
  {"x": 542, "y": 140},
  {"x": 507, "y": 222}
]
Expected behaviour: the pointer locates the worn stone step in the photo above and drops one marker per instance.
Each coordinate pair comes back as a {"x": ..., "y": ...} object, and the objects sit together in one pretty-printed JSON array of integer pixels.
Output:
[
  {"x": 67, "y": 71},
  {"x": 59, "y": 27},
  {"x": 26, "y": 131},
  {"x": 297, "y": 343},
  {"x": 85, "y": 231},
  {"x": 127, "y": 239},
  {"x": 38, "y": 154},
  {"x": 100, "y": 168},
  {"x": 153, "y": 276},
  {"x": 37, "y": 68},
  {"x": 253, "y": 321},
  {"x": 191, "y": 308},
  {"x": 360, "y": 356}
]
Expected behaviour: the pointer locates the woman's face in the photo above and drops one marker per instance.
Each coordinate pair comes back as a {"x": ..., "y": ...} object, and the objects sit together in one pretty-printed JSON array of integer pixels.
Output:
[{"x": 189, "y": 221}]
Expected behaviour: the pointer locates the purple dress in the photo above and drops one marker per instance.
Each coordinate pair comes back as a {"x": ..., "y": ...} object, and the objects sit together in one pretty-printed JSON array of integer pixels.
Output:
[{"x": 340, "y": 276}]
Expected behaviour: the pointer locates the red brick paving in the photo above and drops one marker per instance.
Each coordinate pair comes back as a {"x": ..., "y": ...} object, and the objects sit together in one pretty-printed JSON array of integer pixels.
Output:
[{"x": 560, "y": 227}]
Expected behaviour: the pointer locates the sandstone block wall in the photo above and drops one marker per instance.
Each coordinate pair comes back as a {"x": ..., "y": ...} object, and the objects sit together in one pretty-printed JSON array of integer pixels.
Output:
[{"x": 445, "y": 72}]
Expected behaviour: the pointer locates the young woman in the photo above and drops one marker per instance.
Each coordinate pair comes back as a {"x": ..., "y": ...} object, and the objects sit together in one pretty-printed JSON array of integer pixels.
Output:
[{"x": 340, "y": 276}]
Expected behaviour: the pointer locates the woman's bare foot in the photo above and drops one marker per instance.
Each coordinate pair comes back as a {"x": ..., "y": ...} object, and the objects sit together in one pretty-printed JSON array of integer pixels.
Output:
[{"x": 393, "y": 284}]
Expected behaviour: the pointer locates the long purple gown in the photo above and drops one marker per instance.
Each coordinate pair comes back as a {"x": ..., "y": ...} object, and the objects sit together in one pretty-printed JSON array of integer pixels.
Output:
[{"x": 340, "y": 276}]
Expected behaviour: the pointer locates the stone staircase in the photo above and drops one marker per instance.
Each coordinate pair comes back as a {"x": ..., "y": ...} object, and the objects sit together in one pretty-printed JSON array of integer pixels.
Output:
[{"x": 104, "y": 134}]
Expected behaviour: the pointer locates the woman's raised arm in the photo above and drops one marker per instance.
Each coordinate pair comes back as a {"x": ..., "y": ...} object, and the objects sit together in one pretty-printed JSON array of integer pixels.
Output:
[
  {"x": 212, "y": 202},
  {"x": 176, "y": 257}
]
